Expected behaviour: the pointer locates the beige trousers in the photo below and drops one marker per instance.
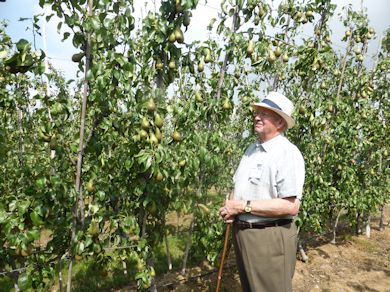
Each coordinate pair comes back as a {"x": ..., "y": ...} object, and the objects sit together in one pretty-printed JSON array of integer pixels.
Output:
[{"x": 266, "y": 257}]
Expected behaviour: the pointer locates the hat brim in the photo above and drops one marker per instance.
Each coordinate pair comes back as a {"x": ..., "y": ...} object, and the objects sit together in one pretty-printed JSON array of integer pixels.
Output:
[{"x": 289, "y": 120}]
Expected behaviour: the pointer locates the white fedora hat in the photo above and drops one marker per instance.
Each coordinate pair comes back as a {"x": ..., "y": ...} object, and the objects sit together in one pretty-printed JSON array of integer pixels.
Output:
[{"x": 279, "y": 104}]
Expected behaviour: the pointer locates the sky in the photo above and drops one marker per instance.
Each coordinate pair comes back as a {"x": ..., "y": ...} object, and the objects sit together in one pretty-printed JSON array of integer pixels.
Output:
[{"x": 60, "y": 53}]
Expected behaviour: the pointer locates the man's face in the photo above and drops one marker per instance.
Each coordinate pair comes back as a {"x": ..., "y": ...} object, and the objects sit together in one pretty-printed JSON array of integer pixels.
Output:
[{"x": 266, "y": 123}]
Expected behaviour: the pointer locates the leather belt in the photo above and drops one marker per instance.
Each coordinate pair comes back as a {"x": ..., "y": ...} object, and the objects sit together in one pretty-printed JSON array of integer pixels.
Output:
[{"x": 261, "y": 225}]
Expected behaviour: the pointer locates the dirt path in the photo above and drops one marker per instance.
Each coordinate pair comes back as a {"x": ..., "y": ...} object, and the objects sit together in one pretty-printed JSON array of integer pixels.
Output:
[{"x": 356, "y": 263}]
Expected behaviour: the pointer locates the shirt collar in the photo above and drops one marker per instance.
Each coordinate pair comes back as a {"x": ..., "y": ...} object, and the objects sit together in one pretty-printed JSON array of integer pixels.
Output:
[{"x": 270, "y": 144}]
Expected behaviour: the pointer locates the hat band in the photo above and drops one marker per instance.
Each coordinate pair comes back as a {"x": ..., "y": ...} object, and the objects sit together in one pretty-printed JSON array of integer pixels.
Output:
[{"x": 271, "y": 104}]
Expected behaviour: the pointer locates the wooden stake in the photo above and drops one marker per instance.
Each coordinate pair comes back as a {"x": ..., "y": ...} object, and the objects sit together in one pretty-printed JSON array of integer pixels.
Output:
[{"x": 225, "y": 244}]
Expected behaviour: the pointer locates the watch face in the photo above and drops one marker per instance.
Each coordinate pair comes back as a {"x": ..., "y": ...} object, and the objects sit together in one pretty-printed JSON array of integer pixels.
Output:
[{"x": 248, "y": 207}]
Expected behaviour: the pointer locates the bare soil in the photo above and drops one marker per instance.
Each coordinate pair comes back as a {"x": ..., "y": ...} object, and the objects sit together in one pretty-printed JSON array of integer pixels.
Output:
[{"x": 354, "y": 263}]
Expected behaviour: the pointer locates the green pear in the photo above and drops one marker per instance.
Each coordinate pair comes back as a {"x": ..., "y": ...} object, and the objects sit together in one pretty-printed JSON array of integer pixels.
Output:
[
  {"x": 151, "y": 105},
  {"x": 158, "y": 121},
  {"x": 145, "y": 123}
]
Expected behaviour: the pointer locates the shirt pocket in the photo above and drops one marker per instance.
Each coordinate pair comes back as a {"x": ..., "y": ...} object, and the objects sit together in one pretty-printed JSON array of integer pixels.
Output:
[{"x": 255, "y": 175}]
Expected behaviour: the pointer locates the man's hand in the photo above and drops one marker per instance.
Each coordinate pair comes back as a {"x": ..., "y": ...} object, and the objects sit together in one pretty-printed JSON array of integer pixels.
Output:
[{"x": 230, "y": 209}]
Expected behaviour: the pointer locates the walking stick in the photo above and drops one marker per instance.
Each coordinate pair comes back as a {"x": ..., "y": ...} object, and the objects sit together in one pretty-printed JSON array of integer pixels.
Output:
[{"x": 225, "y": 244}]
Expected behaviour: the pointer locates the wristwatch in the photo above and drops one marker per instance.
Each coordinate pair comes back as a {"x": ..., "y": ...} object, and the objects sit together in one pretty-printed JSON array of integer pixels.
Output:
[{"x": 248, "y": 207}]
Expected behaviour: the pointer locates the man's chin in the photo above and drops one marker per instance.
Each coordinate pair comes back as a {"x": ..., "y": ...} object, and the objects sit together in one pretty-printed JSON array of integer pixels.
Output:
[{"x": 258, "y": 129}]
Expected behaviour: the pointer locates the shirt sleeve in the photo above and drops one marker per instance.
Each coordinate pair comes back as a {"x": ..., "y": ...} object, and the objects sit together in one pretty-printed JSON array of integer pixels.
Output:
[{"x": 290, "y": 174}]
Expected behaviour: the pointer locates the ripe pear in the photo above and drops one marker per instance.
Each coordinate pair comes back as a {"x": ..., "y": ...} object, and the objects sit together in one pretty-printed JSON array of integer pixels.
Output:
[
  {"x": 178, "y": 6},
  {"x": 357, "y": 51},
  {"x": 145, "y": 123},
  {"x": 172, "y": 37},
  {"x": 250, "y": 48},
  {"x": 278, "y": 52},
  {"x": 176, "y": 136},
  {"x": 158, "y": 121},
  {"x": 182, "y": 163},
  {"x": 179, "y": 36},
  {"x": 153, "y": 139},
  {"x": 256, "y": 20},
  {"x": 285, "y": 58},
  {"x": 158, "y": 134},
  {"x": 151, "y": 105},
  {"x": 206, "y": 51},
  {"x": 262, "y": 12},
  {"x": 226, "y": 104},
  {"x": 208, "y": 58},
  {"x": 198, "y": 96},
  {"x": 159, "y": 65},
  {"x": 159, "y": 176},
  {"x": 143, "y": 134},
  {"x": 271, "y": 57},
  {"x": 172, "y": 65},
  {"x": 90, "y": 187},
  {"x": 201, "y": 67}
]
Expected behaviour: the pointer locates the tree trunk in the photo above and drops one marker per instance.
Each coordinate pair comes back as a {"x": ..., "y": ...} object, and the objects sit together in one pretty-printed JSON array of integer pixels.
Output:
[
  {"x": 357, "y": 230},
  {"x": 302, "y": 252},
  {"x": 368, "y": 226},
  {"x": 382, "y": 219},
  {"x": 188, "y": 246},
  {"x": 333, "y": 241},
  {"x": 60, "y": 274},
  {"x": 21, "y": 140},
  {"x": 124, "y": 266},
  {"x": 80, "y": 155},
  {"x": 15, "y": 275},
  {"x": 153, "y": 287},
  {"x": 168, "y": 252}
]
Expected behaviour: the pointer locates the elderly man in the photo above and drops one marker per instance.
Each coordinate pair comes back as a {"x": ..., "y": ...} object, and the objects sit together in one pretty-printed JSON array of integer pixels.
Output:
[{"x": 267, "y": 192}]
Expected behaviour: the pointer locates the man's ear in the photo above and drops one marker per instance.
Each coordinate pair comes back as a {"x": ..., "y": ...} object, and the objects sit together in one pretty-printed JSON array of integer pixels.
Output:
[{"x": 282, "y": 125}]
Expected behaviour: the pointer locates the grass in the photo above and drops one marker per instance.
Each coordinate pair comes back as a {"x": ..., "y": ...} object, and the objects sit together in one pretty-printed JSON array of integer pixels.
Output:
[
  {"x": 176, "y": 249},
  {"x": 89, "y": 275},
  {"x": 365, "y": 244}
]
